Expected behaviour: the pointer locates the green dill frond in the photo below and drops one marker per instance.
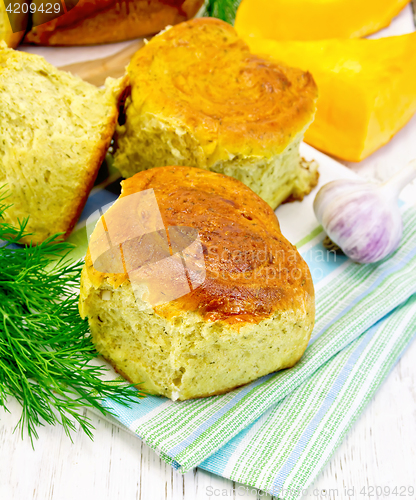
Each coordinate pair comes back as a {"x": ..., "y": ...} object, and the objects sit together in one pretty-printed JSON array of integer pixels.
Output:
[{"x": 45, "y": 347}]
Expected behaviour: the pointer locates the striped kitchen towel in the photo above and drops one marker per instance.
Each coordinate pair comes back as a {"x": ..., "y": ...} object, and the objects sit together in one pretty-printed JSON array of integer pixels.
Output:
[{"x": 277, "y": 433}]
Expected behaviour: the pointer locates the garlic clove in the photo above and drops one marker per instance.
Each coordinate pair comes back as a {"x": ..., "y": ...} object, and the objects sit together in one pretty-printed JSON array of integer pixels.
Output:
[
  {"x": 329, "y": 192},
  {"x": 363, "y": 218},
  {"x": 365, "y": 227}
]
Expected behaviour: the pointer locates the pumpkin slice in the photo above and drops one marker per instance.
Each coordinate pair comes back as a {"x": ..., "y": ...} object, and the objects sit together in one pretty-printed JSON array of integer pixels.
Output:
[
  {"x": 315, "y": 19},
  {"x": 367, "y": 89}
]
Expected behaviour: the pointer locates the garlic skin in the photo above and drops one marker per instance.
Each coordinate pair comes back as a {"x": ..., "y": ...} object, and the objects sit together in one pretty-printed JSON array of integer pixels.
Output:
[{"x": 363, "y": 218}]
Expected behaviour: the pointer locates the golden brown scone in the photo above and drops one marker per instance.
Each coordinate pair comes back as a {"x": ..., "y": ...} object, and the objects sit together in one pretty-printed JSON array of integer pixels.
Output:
[
  {"x": 200, "y": 98},
  {"x": 249, "y": 308},
  {"x": 55, "y": 130},
  {"x": 93, "y": 22}
]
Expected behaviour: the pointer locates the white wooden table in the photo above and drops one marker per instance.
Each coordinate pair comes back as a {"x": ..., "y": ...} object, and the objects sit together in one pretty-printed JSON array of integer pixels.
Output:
[{"x": 380, "y": 450}]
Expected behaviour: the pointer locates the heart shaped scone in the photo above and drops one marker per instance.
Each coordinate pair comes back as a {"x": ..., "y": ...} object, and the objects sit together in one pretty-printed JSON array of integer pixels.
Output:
[{"x": 190, "y": 288}]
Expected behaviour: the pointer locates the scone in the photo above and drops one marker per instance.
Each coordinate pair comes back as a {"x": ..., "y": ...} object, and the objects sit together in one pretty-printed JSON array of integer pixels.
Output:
[
  {"x": 55, "y": 130},
  {"x": 190, "y": 288},
  {"x": 200, "y": 98},
  {"x": 107, "y": 21}
]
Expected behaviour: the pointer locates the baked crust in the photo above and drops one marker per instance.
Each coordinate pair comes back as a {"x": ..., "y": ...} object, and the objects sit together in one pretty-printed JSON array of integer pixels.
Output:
[
  {"x": 252, "y": 271},
  {"x": 93, "y": 22},
  {"x": 234, "y": 102},
  {"x": 12, "y": 39}
]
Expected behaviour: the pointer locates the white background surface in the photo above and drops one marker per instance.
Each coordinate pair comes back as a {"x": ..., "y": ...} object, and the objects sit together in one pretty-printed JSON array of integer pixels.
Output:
[{"x": 380, "y": 450}]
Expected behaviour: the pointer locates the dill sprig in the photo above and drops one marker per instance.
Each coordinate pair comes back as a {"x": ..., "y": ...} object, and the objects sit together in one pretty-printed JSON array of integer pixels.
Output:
[
  {"x": 222, "y": 9},
  {"x": 45, "y": 349}
]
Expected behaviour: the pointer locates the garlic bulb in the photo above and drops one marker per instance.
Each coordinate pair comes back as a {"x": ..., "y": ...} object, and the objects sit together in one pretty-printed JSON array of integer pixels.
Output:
[{"x": 361, "y": 217}]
